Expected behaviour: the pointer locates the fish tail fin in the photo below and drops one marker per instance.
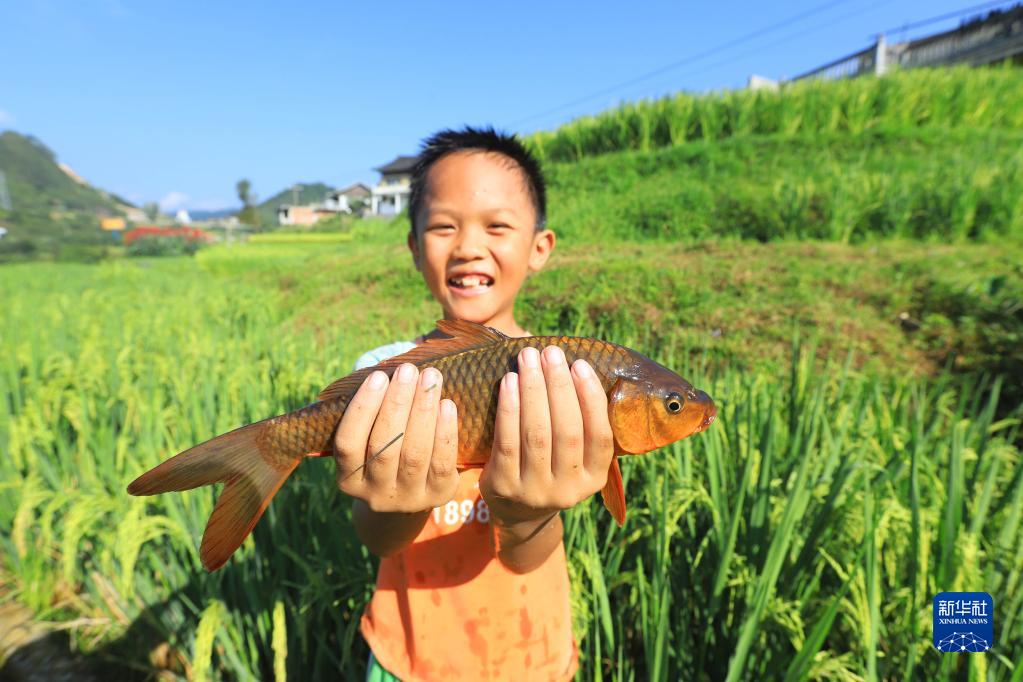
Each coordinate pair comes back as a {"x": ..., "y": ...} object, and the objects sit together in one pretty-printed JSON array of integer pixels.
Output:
[
  {"x": 613, "y": 492},
  {"x": 252, "y": 479}
]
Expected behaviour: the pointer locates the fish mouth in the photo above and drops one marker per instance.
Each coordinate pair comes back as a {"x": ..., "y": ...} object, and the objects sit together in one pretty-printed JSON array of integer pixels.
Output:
[{"x": 710, "y": 411}]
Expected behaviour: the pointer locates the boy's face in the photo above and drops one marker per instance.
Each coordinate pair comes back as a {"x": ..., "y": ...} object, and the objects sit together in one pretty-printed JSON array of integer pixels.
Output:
[{"x": 476, "y": 237}]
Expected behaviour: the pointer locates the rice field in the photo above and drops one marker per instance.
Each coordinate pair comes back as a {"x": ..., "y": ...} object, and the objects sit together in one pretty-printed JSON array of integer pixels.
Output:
[
  {"x": 300, "y": 237},
  {"x": 922, "y": 98},
  {"x": 803, "y": 537}
]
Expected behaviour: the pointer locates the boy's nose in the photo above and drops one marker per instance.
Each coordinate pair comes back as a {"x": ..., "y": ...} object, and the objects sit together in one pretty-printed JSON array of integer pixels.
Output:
[{"x": 469, "y": 245}]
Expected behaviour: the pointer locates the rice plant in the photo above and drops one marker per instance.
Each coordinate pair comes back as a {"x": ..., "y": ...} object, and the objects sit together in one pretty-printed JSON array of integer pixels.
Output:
[
  {"x": 957, "y": 186},
  {"x": 939, "y": 98},
  {"x": 802, "y": 537}
]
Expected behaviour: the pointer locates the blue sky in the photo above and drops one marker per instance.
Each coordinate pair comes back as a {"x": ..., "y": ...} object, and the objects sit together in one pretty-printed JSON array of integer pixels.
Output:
[{"x": 176, "y": 101}]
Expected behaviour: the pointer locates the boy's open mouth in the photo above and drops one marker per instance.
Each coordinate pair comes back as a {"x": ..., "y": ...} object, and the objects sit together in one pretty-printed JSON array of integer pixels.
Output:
[{"x": 471, "y": 283}]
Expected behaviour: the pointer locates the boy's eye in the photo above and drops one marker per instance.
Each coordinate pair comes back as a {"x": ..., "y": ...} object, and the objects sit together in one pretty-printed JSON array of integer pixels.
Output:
[
  {"x": 441, "y": 226},
  {"x": 499, "y": 225}
]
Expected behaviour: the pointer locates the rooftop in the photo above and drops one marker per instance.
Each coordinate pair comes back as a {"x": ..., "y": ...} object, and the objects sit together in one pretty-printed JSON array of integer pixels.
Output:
[
  {"x": 401, "y": 164},
  {"x": 357, "y": 187}
]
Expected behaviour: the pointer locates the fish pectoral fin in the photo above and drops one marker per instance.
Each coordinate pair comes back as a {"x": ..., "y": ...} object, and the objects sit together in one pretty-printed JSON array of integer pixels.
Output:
[{"x": 614, "y": 492}]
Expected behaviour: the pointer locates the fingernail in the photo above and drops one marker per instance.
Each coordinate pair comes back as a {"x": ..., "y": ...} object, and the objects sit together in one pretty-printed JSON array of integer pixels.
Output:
[
  {"x": 511, "y": 384},
  {"x": 529, "y": 357},
  {"x": 377, "y": 380},
  {"x": 430, "y": 378},
  {"x": 406, "y": 373},
  {"x": 555, "y": 356},
  {"x": 447, "y": 408},
  {"x": 582, "y": 369}
]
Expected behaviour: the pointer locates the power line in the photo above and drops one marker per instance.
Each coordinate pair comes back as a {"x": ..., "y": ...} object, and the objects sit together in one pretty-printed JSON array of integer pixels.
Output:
[
  {"x": 782, "y": 24},
  {"x": 696, "y": 57},
  {"x": 943, "y": 17},
  {"x": 797, "y": 34}
]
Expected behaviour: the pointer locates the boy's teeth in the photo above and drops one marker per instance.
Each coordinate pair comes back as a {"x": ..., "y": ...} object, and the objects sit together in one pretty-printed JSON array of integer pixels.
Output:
[{"x": 469, "y": 281}]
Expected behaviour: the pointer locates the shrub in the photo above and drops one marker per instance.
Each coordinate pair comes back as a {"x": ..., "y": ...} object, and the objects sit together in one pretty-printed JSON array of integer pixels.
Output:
[{"x": 163, "y": 246}]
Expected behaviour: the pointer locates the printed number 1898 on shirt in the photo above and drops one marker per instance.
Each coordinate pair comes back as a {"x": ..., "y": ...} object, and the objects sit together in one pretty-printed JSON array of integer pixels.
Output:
[{"x": 456, "y": 513}]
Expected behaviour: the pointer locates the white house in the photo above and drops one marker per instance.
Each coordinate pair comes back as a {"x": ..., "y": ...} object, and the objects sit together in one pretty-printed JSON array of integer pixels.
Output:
[
  {"x": 391, "y": 194},
  {"x": 345, "y": 200},
  {"x": 342, "y": 200}
]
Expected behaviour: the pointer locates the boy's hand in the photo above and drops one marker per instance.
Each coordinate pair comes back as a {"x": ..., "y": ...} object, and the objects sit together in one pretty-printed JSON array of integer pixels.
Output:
[
  {"x": 413, "y": 472},
  {"x": 552, "y": 439}
]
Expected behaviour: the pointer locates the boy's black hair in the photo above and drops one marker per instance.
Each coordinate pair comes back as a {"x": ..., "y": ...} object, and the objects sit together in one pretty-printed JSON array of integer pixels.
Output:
[{"x": 485, "y": 139}]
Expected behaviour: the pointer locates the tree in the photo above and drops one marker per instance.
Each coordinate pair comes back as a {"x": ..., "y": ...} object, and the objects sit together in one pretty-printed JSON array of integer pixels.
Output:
[
  {"x": 151, "y": 209},
  {"x": 249, "y": 215},
  {"x": 244, "y": 188},
  {"x": 357, "y": 206}
]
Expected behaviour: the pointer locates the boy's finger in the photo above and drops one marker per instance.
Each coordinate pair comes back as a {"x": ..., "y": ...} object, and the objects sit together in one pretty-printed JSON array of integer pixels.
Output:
[
  {"x": 534, "y": 420},
  {"x": 504, "y": 462},
  {"x": 598, "y": 436},
  {"x": 566, "y": 418},
  {"x": 443, "y": 474},
  {"x": 356, "y": 423},
  {"x": 384, "y": 451},
  {"x": 419, "y": 432}
]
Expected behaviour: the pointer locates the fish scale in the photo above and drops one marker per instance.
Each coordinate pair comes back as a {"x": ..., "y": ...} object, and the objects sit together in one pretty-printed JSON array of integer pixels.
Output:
[
  {"x": 648, "y": 406},
  {"x": 472, "y": 380}
]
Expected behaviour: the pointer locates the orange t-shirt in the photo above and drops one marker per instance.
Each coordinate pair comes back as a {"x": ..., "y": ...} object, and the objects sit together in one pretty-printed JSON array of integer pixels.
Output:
[{"x": 447, "y": 608}]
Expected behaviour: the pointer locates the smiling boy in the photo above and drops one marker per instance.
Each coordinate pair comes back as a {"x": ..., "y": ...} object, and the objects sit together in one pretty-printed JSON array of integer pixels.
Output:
[{"x": 473, "y": 581}]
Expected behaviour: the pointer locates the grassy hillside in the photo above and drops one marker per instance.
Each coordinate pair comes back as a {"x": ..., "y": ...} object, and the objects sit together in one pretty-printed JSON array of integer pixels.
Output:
[
  {"x": 939, "y": 184},
  {"x": 47, "y": 205},
  {"x": 943, "y": 98},
  {"x": 37, "y": 185},
  {"x": 308, "y": 193}
]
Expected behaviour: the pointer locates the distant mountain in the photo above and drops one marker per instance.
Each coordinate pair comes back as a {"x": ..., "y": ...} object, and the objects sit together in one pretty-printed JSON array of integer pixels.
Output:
[
  {"x": 48, "y": 201},
  {"x": 212, "y": 215},
  {"x": 36, "y": 182},
  {"x": 308, "y": 193}
]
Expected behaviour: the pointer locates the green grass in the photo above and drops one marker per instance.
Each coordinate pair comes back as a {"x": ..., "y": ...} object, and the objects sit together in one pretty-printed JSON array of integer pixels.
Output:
[
  {"x": 300, "y": 238},
  {"x": 803, "y": 536},
  {"x": 933, "y": 184}
]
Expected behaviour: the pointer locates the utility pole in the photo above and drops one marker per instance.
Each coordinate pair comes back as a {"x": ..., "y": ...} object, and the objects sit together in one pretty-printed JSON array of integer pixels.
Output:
[
  {"x": 295, "y": 189},
  {"x": 5, "y": 198},
  {"x": 881, "y": 55}
]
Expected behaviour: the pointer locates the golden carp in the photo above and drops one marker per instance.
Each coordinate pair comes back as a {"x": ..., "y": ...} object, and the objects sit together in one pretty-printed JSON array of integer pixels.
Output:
[{"x": 649, "y": 406}]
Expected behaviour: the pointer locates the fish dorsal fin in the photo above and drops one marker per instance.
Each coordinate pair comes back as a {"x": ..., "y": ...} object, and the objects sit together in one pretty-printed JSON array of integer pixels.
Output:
[
  {"x": 461, "y": 335},
  {"x": 469, "y": 333}
]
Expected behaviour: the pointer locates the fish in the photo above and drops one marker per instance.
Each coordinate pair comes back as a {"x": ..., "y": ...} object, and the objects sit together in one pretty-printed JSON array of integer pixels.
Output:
[{"x": 649, "y": 406}]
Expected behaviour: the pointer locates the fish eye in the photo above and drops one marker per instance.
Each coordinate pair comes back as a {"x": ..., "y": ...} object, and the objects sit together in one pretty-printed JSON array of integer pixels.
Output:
[{"x": 673, "y": 403}]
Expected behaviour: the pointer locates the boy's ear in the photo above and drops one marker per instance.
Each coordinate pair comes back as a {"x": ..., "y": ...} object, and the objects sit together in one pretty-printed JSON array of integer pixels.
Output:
[
  {"x": 543, "y": 244},
  {"x": 413, "y": 246}
]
